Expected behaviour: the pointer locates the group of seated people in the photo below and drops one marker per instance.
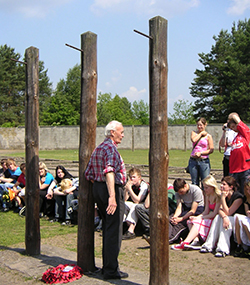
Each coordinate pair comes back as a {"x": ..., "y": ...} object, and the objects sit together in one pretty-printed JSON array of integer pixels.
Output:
[
  {"x": 209, "y": 220},
  {"x": 58, "y": 195}
]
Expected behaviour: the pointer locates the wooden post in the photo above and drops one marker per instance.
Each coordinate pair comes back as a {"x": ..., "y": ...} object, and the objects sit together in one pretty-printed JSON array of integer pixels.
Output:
[
  {"x": 88, "y": 121},
  {"x": 32, "y": 234},
  {"x": 158, "y": 154}
]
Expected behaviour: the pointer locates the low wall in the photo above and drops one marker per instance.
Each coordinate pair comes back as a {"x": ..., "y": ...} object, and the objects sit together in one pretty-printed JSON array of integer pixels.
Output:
[{"x": 137, "y": 137}]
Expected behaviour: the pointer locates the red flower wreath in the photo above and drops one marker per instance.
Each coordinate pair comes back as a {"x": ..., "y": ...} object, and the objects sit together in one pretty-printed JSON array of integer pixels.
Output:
[{"x": 62, "y": 274}]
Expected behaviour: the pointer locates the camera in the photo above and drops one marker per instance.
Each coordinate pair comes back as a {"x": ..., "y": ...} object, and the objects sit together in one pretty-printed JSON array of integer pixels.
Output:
[{"x": 224, "y": 127}]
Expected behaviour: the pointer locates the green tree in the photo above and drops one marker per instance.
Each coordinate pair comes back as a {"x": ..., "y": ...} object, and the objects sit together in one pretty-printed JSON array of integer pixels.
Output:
[
  {"x": 12, "y": 88},
  {"x": 223, "y": 85},
  {"x": 140, "y": 111},
  {"x": 64, "y": 108},
  {"x": 183, "y": 113}
]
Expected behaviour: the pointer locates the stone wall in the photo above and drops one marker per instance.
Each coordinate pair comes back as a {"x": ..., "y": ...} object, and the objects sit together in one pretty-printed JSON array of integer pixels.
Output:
[{"x": 137, "y": 137}]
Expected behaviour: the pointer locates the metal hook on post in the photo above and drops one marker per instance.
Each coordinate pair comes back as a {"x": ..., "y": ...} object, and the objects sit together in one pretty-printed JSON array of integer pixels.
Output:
[
  {"x": 147, "y": 36},
  {"x": 74, "y": 47},
  {"x": 18, "y": 61}
]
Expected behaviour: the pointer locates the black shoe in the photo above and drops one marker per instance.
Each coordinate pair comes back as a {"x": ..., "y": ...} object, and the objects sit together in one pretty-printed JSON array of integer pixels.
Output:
[
  {"x": 128, "y": 235},
  {"x": 120, "y": 275},
  {"x": 239, "y": 252},
  {"x": 55, "y": 220},
  {"x": 66, "y": 223}
]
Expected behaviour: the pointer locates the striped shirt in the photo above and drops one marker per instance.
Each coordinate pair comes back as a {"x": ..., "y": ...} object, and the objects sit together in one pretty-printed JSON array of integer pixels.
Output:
[{"x": 105, "y": 159}]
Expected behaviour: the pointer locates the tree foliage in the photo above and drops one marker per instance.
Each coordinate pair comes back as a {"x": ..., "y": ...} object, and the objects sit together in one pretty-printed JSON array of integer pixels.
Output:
[
  {"x": 12, "y": 88},
  {"x": 64, "y": 108},
  {"x": 183, "y": 113},
  {"x": 120, "y": 109},
  {"x": 223, "y": 86}
]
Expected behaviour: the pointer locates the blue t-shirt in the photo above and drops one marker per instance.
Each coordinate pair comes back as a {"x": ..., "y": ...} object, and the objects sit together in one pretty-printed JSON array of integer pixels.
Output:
[
  {"x": 15, "y": 174},
  {"x": 48, "y": 178}
]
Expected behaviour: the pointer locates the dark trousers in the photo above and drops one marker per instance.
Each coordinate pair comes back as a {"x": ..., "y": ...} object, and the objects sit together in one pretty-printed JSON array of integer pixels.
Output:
[
  {"x": 225, "y": 163},
  {"x": 143, "y": 214},
  {"x": 112, "y": 226}
]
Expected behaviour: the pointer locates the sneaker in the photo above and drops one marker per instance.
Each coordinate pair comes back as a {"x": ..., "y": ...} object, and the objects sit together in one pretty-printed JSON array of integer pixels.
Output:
[
  {"x": 147, "y": 238},
  {"x": 239, "y": 251},
  {"x": 22, "y": 212},
  {"x": 66, "y": 223},
  {"x": 205, "y": 250},
  {"x": 128, "y": 235},
  {"x": 220, "y": 254},
  {"x": 179, "y": 246},
  {"x": 195, "y": 245},
  {"x": 55, "y": 220}
]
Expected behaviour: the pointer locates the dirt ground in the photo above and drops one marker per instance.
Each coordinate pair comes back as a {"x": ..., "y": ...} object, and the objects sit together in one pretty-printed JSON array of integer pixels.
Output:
[{"x": 188, "y": 267}]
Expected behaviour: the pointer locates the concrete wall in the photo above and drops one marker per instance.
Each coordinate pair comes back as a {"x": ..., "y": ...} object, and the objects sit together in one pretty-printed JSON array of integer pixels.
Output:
[{"x": 67, "y": 137}]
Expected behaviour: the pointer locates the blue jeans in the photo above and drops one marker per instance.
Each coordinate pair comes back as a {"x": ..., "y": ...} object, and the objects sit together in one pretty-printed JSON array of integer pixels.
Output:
[
  {"x": 61, "y": 206},
  {"x": 199, "y": 169}
]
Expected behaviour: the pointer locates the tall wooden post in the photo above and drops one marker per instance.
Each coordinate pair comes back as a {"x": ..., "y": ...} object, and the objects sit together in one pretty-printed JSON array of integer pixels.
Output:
[
  {"x": 158, "y": 153},
  {"x": 88, "y": 121},
  {"x": 32, "y": 234}
]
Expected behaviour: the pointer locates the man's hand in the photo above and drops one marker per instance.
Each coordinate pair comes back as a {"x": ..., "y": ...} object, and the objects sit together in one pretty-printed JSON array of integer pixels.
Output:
[{"x": 111, "y": 206}]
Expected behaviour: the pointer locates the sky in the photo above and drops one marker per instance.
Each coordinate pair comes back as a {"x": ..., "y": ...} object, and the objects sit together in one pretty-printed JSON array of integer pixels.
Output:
[{"x": 122, "y": 54}]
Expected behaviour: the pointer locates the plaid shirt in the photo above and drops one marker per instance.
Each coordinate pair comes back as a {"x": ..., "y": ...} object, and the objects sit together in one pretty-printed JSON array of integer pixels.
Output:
[{"x": 104, "y": 159}]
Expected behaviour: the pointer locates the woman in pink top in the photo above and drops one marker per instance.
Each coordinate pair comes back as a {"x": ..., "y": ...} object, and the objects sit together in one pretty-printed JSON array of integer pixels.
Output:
[{"x": 199, "y": 164}]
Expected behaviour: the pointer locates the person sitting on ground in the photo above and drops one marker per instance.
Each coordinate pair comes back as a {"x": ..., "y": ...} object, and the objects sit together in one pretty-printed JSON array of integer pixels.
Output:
[
  {"x": 136, "y": 190},
  {"x": 19, "y": 187},
  {"x": 242, "y": 227},
  {"x": 143, "y": 211},
  {"x": 67, "y": 189},
  {"x": 47, "y": 204},
  {"x": 223, "y": 224},
  {"x": 200, "y": 225},
  {"x": 190, "y": 202},
  {"x": 8, "y": 180},
  {"x": 4, "y": 167},
  {"x": 62, "y": 201}
]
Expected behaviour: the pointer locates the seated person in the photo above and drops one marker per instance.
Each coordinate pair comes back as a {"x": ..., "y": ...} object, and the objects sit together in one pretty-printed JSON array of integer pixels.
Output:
[
  {"x": 190, "y": 202},
  {"x": 242, "y": 227},
  {"x": 19, "y": 187},
  {"x": 9, "y": 179},
  {"x": 54, "y": 190},
  {"x": 143, "y": 213},
  {"x": 46, "y": 205},
  {"x": 4, "y": 167},
  {"x": 200, "y": 225},
  {"x": 65, "y": 192},
  {"x": 136, "y": 190},
  {"x": 223, "y": 224}
]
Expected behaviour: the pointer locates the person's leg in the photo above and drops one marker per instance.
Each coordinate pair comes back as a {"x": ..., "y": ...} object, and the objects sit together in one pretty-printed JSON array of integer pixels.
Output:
[
  {"x": 193, "y": 169},
  {"x": 224, "y": 239},
  {"x": 112, "y": 228},
  {"x": 69, "y": 199},
  {"x": 143, "y": 215},
  {"x": 132, "y": 218},
  {"x": 204, "y": 168},
  {"x": 59, "y": 207},
  {"x": 213, "y": 235},
  {"x": 225, "y": 163}
]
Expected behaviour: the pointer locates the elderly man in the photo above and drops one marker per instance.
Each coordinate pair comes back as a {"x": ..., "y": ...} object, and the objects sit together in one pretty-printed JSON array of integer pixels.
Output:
[{"x": 107, "y": 171}]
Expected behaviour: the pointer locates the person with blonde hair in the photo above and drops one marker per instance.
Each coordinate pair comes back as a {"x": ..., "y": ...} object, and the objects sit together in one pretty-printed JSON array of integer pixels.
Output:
[
  {"x": 200, "y": 225},
  {"x": 46, "y": 205},
  {"x": 223, "y": 224}
]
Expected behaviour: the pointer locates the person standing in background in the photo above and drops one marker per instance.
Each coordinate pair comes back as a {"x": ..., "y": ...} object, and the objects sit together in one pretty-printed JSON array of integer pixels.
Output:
[
  {"x": 225, "y": 142},
  {"x": 239, "y": 162},
  {"x": 199, "y": 163}
]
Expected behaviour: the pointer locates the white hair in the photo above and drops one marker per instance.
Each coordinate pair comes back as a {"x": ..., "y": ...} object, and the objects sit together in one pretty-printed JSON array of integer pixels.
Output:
[{"x": 111, "y": 126}]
